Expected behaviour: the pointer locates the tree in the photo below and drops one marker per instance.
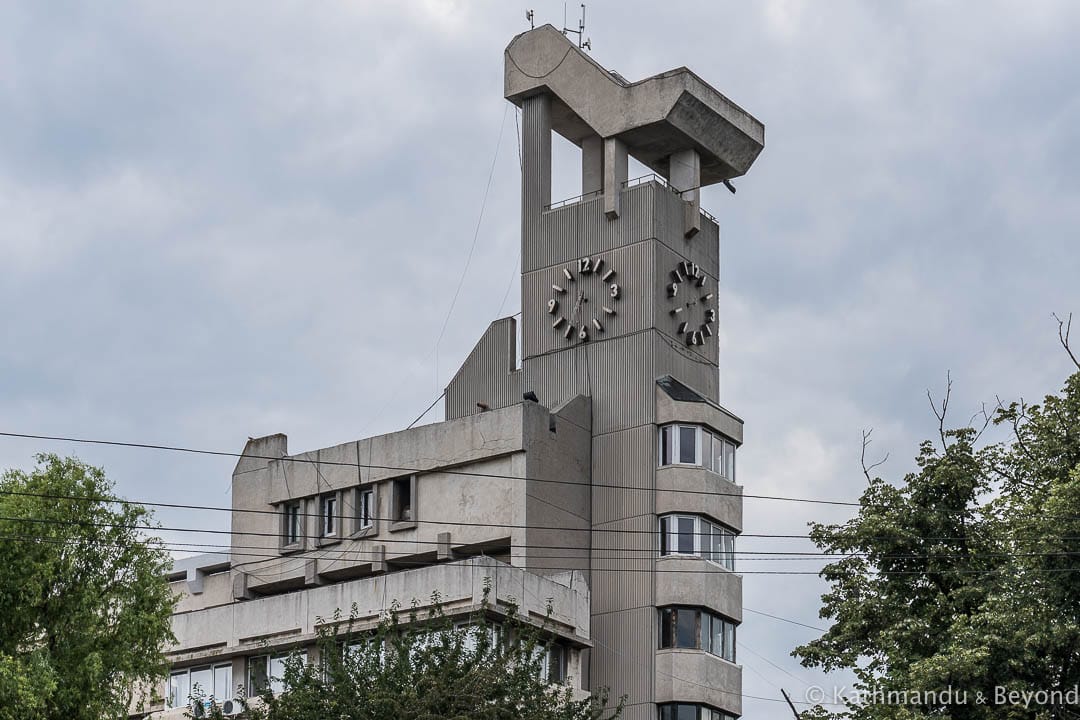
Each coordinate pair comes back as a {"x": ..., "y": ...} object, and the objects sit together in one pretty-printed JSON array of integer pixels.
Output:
[
  {"x": 426, "y": 668},
  {"x": 964, "y": 577},
  {"x": 85, "y": 607}
]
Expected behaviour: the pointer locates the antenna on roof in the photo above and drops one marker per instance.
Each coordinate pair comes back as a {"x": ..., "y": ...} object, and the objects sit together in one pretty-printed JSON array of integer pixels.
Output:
[
  {"x": 529, "y": 17},
  {"x": 583, "y": 42}
]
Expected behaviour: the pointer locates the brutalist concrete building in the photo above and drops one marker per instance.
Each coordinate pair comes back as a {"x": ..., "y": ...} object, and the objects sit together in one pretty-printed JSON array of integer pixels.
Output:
[{"x": 595, "y": 469}]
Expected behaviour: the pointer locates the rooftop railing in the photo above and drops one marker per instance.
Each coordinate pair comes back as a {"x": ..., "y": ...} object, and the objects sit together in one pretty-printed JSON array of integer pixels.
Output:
[{"x": 632, "y": 183}]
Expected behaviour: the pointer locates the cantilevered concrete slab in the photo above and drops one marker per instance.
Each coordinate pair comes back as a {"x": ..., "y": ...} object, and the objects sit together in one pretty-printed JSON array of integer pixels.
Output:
[{"x": 656, "y": 118}]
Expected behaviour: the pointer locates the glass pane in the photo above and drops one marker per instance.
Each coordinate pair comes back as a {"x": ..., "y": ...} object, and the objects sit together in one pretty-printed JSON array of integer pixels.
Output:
[
  {"x": 688, "y": 444},
  {"x": 686, "y": 628},
  {"x": 706, "y": 449},
  {"x": 718, "y": 626},
  {"x": 277, "y": 673},
  {"x": 667, "y": 450},
  {"x": 223, "y": 689},
  {"x": 665, "y": 712},
  {"x": 665, "y": 527},
  {"x": 686, "y": 712},
  {"x": 687, "y": 530},
  {"x": 729, "y": 460},
  {"x": 729, "y": 550},
  {"x": 705, "y": 641},
  {"x": 257, "y": 677},
  {"x": 718, "y": 456},
  {"x": 717, "y": 554},
  {"x": 729, "y": 642},
  {"x": 202, "y": 681},
  {"x": 666, "y": 620},
  {"x": 179, "y": 689}
]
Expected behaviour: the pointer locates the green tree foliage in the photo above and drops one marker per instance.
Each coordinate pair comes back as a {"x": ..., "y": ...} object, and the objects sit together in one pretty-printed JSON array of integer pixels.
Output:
[
  {"x": 413, "y": 667},
  {"x": 84, "y": 604},
  {"x": 965, "y": 576}
]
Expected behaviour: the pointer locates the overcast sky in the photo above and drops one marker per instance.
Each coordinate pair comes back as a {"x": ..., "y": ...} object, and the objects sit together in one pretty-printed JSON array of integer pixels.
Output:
[{"x": 222, "y": 220}]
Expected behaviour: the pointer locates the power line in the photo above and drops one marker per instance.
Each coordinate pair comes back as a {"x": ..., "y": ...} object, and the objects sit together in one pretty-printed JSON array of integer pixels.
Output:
[{"x": 406, "y": 470}]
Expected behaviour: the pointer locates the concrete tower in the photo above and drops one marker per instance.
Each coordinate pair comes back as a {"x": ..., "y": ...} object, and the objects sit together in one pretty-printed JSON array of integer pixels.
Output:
[{"x": 619, "y": 305}]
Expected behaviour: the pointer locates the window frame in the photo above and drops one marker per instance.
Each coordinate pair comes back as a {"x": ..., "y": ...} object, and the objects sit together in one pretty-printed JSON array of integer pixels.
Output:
[
  {"x": 670, "y": 617},
  {"x": 397, "y": 521},
  {"x": 372, "y": 526},
  {"x": 670, "y": 711},
  {"x": 336, "y": 516},
  {"x": 703, "y": 544},
  {"x": 292, "y": 514},
  {"x": 209, "y": 693},
  {"x": 722, "y": 464},
  {"x": 266, "y": 660}
]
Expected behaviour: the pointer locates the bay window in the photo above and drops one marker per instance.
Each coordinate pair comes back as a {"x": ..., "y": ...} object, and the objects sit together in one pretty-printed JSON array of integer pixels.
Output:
[
  {"x": 695, "y": 535},
  {"x": 697, "y": 629},
  {"x": 688, "y": 711},
  {"x": 696, "y": 445}
]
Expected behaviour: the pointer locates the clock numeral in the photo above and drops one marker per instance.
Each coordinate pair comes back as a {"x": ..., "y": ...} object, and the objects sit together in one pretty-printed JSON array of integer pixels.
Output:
[
  {"x": 598, "y": 265},
  {"x": 568, "y": 331},
  {"x": 608, "y": 310},
  {"x": 597, "y": 325},
  {"x": 553, "y": 305},
  {"x": 567, "y": 274},
  {"x": 608, "y": 275},
  {"x": 707, "y": 329},
  {"x": 583, "y": 334},
  {"x": 558, "y": 288},
  {"x": 558, "y": 321},
  {"x": 615, "y": 290},
  {"x": 710, "y": 315},
  {"x": 673, "y": 290},
  {"x": 585, "y": 266},
  {"x": 694, "y": 338},
  {"x": 682, "y": 327}
]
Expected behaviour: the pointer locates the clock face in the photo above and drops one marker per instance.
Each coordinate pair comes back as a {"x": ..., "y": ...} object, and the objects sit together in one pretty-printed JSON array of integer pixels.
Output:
[
  {"x": 584, "y": 299},
  {"x": 692, "y": 303}
]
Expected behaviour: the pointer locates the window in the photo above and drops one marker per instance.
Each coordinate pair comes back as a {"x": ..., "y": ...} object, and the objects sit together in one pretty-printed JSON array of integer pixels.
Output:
[
  {"x": 695, "y": 535},
  {"x": 686, "y": 711},
  {"x": 403, "y": 501},
  {"x": 694, "y": 445},
  {"x": 292, "y": 529},
  {"x": 268, "y": 671},
  {"x": 210, "y": 681},
  {"x": 328, "y": 516},
  {"x": 553, "y": 663},
  {"x": 365, "y": 508},
  {"x": 697, "y": 629}
]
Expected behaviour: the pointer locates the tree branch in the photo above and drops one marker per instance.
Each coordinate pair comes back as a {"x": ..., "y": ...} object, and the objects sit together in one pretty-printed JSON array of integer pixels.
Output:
[
  {"x": 862, "y": 459},
  {"x": 1064, "y": 326},
  {"x": 944, "y": 408}
]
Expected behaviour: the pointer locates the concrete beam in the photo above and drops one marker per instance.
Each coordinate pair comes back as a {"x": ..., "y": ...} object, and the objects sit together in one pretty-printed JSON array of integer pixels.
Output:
[
  {"x": 536, "y": 155},
  {"x": 616, "y": 164},
  {"x": 685, "y": 177},
  {"x": 592, "y": 164}
]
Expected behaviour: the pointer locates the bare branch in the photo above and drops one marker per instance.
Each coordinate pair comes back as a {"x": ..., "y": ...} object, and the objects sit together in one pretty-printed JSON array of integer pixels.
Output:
[
  {"x": 862, "y": 459},
  {"x": 987, "y": 419},
  {"x": 1064, "y": 326},
  {"x": 944, "y": 408}
]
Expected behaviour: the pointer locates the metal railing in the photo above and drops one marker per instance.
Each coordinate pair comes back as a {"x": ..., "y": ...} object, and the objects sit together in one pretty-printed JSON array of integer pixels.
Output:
[{"x": 632, "y": 183}]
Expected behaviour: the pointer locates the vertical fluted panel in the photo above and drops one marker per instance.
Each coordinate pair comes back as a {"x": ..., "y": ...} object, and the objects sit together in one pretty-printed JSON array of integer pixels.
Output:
[{"x": 488, "y": 374}]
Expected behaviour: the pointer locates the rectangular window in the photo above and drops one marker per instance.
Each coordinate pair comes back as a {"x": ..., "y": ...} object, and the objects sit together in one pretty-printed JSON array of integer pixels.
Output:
[
  {"x": 707, "y": 449},
  {"x": 686, "y": 628},
  {"x": 667, "y": 624},
  {"x": 556, "y": 664},
  {"x": 292, "y": 528},
  {"x": 686, "y": 536},
  {"x": 718, "y": 456},
  {"x": 207, "y": 681},
  {"x": 705, "y": 639},
  {"x": 329, "y": 515},
  {"x": 268, "y": 671},
  {"x": 729, "y": 460},
  {"x": 688, "y": 445},
  {"x": 403, "y": 500},
  {"x": 365, "y": 508},
  {"x": 667, "y": 445}
]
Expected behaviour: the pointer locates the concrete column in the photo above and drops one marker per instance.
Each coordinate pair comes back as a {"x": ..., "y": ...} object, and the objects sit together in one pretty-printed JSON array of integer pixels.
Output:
[
  {"x": 616, "y": 164},
  {"x": 685, "y": 175},
  {"x": 536, "y": 160},
  {"x": 592, "y": 165}
]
